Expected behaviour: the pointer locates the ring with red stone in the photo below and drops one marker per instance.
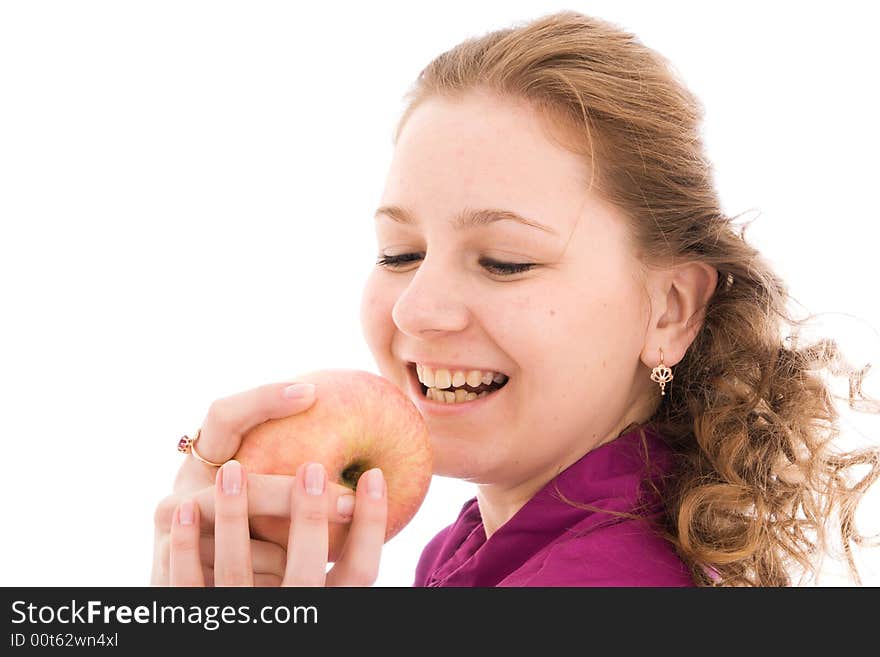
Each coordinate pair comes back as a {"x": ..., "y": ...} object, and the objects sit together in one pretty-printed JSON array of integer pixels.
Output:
[{"x": 187, "y": 445}]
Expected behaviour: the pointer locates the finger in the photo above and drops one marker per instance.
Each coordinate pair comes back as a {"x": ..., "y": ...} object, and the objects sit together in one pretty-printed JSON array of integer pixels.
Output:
[
  {"x": 159, "y": 574},
  {"x": 229, "y": 418},
  {"x": 185, "y": 568},
  {"x": 309, "y": 532},
  {"x": 268, "y": 558},
  {"x": 268, "y": 495},
  {"x": 358, "y": 564},
  {"x": 232, "y": 539},
  {"x": 193, "y": 475},
  {"x": 260, "y": 579}
]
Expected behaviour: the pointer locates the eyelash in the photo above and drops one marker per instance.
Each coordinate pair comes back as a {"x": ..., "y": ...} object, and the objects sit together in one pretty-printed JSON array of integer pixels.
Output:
[{"x": 499, "y": 268}]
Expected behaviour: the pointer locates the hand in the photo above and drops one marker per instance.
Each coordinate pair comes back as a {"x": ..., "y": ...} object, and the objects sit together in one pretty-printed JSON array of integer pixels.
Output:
[
  {"x": 228, "y": 419},
  {"x": 306, "y": 563}
]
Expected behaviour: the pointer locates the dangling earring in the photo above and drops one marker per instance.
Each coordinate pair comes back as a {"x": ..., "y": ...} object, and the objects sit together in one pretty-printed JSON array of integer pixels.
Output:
[{"x": 661, "y": 374}]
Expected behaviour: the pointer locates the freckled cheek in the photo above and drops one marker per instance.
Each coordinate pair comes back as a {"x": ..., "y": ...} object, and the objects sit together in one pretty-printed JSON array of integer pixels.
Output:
[
  {"x": 581, "y": 322},
  {"x": 609, "y": 327},
  {"x": 375, "y": 315}
]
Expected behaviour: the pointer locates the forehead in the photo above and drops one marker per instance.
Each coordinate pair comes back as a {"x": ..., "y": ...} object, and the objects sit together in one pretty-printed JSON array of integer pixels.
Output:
[{"x": 482, "y": 151}]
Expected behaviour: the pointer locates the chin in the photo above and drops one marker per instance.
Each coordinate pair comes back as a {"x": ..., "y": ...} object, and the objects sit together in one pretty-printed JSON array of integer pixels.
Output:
[{"x": 458, "y": 459}]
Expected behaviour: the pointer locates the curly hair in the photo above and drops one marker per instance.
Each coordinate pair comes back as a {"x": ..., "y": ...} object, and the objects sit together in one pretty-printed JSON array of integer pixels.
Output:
[{"x": 749, "y": 418}]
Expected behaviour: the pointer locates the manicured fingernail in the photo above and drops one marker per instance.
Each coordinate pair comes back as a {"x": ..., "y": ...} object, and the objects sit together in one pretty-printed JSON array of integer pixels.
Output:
[
  {"x": 299, "y": 391},
  {"x": 314, "y": 479},
  {"x": 345, "y": 505},
  {"x": 187, "y": 513},
  {"x": 231, "y": 476},
  {"x": 375, "y": 483}
]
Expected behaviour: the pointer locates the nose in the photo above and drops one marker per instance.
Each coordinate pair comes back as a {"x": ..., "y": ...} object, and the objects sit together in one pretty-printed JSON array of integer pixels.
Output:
[{"x": 432, "y": 303}]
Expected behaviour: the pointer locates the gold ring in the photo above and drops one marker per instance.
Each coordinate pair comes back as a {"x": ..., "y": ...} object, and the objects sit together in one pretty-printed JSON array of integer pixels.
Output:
[{"x": 187, "y": 445}]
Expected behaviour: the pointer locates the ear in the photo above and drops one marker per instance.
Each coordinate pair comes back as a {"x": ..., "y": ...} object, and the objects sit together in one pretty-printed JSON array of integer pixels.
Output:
[{"x": 678, "y": 307}]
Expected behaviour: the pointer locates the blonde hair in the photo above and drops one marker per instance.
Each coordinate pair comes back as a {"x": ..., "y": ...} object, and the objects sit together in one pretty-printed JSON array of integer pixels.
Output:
[{"x": 747, "y": 416}]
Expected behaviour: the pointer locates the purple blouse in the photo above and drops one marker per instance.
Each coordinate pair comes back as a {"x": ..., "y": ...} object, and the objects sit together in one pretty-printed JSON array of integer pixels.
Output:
[{"x": 551, "y": 543}]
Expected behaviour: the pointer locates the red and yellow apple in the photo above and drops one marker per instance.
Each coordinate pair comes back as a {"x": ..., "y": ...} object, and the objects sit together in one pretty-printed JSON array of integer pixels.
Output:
[{"x": 358, "y": 421}]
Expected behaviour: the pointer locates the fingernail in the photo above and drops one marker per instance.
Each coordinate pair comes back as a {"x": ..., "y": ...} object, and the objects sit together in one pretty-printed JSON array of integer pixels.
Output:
[
  {"x": 299, "y": 391},
  {"x": 187, "y": 513},
  {"x": 314, "y": 479},
  {"x": 345, "y": 505},
  {"x": 231, "y": 477},
  {"x": 375, "y": 483}
]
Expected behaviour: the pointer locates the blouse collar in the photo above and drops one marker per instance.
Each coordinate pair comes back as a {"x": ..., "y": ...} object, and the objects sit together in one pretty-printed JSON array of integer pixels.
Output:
[{"x": 613, "y": 477}]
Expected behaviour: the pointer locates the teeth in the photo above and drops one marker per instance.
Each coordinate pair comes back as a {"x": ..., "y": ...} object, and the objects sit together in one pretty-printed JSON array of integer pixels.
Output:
[
  {"x": 449, "y": 397},
  {"x": 443, "y": 378}
]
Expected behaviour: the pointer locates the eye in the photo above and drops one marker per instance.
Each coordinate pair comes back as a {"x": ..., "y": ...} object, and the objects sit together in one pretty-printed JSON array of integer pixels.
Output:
[
  {"x": 494, "y": 266},
  {"x": 396, "y": 261}
]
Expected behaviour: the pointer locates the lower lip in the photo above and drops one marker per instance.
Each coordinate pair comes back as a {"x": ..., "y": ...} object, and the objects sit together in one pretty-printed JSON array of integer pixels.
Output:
[{"x": 444, "y": 409}]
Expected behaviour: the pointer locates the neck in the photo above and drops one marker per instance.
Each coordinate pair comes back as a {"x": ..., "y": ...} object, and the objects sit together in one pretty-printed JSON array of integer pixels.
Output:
[{"x": 499, "y": 502}]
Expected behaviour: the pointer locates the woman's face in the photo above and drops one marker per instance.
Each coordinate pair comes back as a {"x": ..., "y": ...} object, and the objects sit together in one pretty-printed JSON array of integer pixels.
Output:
[{"x": 568, "y": 332}]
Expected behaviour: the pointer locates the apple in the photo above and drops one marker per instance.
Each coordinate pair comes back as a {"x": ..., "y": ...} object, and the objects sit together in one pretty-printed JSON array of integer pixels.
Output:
[{"x": 359, "y": 421}]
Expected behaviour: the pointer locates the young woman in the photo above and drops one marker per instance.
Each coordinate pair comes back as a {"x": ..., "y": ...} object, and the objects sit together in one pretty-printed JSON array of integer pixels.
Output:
[{"x": 549, "y": 222}]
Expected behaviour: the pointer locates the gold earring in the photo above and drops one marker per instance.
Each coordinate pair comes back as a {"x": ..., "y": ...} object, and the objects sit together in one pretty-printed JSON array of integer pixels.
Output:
[{"x": 661, "y": 374}]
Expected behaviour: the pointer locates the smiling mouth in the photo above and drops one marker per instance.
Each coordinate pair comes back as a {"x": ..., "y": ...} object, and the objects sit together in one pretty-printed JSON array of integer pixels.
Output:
[{"x": 478, "y": 390}]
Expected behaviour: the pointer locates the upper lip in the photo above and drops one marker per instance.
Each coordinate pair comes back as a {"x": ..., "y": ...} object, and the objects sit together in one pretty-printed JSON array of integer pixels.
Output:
[{"x": 435, "y": 365}]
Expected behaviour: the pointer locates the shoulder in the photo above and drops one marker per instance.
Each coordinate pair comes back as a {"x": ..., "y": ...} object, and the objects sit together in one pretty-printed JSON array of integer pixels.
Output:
[
  {"x": 438, "y": 550},
  {"x": 432, "y": 550},
  {"x": 626, "y": 553}
]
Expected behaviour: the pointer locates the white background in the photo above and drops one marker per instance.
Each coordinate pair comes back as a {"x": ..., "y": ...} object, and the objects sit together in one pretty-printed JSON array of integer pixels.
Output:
[{"x": 186, "y": 198}]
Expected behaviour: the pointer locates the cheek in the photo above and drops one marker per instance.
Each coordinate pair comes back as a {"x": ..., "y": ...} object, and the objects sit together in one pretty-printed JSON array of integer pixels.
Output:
[
  {"x": 375, "y": 314},
  {"x": 567, "y": 328}
]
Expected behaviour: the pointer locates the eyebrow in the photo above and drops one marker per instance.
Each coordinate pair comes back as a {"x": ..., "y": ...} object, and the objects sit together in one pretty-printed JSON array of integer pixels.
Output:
[{"x": 467, "y": 218}]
